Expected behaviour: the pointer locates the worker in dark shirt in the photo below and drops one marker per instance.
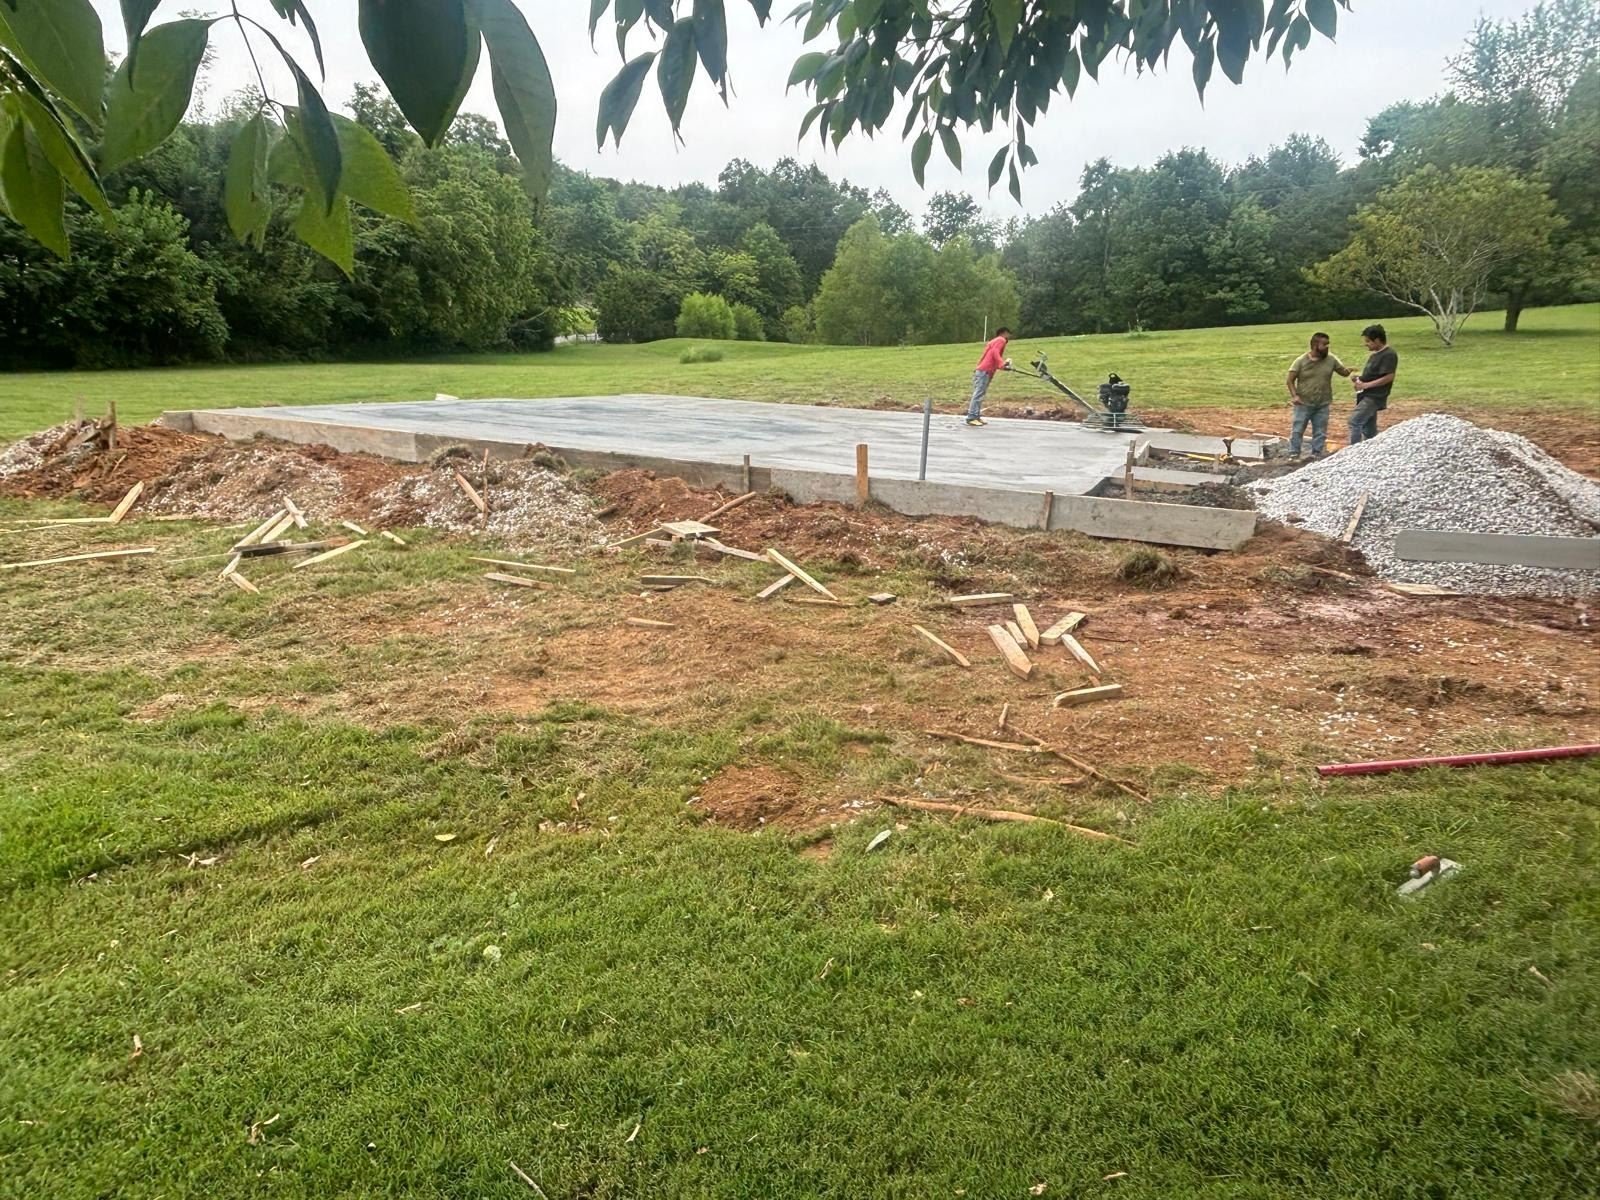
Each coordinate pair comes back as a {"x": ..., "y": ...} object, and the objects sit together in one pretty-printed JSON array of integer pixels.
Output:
[{"x": 1373, "y": 384}]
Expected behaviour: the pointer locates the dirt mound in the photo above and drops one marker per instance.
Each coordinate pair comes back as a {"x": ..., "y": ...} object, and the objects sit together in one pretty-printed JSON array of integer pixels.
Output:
[{"x": 529, "y": 505}]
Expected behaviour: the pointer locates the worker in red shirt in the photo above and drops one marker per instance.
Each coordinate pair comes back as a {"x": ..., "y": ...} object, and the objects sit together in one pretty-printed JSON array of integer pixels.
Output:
[{"x": 994, "y": 359}]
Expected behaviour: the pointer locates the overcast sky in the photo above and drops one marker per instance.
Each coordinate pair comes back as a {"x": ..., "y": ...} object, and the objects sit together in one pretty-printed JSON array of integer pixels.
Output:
[{"x": 1387, "y": 50}]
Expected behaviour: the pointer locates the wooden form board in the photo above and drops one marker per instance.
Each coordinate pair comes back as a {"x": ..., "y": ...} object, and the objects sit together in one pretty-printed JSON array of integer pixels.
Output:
[{"x": 1500, "y": 549}]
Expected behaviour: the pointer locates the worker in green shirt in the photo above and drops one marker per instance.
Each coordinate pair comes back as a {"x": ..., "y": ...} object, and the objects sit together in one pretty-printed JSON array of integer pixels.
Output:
[{"x": 1311, "y": 392}]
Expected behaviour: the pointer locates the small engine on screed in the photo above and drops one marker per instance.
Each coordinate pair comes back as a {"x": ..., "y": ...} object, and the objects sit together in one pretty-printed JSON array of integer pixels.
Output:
[{"x": 1109, "y": 414}]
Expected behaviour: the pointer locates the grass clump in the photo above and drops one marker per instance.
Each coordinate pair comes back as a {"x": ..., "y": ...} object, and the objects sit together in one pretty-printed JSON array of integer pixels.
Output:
[
  {"x": 701, "y": 354},
  {"x": 1148, "y": 567}
]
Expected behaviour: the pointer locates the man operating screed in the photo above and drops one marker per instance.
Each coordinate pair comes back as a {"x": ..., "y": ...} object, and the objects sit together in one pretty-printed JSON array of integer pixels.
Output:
[
  {"x": 1311, "y": 392},
  {"x": 994, "y": 359},
  {"x": 1373, "y": 384}
]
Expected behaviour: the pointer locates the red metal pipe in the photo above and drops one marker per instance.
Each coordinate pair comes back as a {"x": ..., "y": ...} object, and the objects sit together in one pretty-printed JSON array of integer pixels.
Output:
[{"x": 1495, "y": 758}]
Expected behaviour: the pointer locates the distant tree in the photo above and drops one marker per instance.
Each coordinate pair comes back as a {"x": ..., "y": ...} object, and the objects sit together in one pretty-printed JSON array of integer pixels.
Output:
[
  {"x": 635, "y": 304},
  {"x": 956, "y": 214},
  {"x": 585, "y": 233},
  {"x": 747, "y": 324},
  {"x": 1239, "y": 262},
  {"x": 967, "y": 295},
  {"x": 872, "y": 293},
  {"x": 799, "y": 324},
  {"x": 892, "y": 218},
  {"x": 1539, "y": 56},
  {"x": 705, "y": 316},
  {"x": 778, "y": 281},
  {"x": 1434, "y": 241}
]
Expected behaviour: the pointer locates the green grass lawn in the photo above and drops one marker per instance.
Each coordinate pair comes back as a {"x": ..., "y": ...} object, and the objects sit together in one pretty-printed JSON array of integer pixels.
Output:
[
  {"x": 1555, "y": 360},
  {"x": 331, "y": 1001}
]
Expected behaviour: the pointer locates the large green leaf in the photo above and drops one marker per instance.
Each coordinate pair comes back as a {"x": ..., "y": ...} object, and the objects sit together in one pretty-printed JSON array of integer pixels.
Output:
[
  {"x": 31, "y": 188},
  {"x": 920, "y": 151},
  {"x": 136, "y": 15},
  {"x": 292, "y": 9},
  {"x": 675, "y": 71},
  {"x": 711, "y": 38},
  {"x": 319, "y": 139},
  {"x": 952, "y": 145},
  {"x": 59, "y": 41},
  {"x": 620, "y": 96},
  {"x": 327, "y": 231},
  {"x": 426, "y": 52},
  {"x": 244, "y": 191},
  {"x": 1324, "y": 17},
  {"x": 370, "y": 176},
  {"x": 60, "y": 147},
  {"x": 523, "y": 91},
  {"x": 144, "y": 110}
]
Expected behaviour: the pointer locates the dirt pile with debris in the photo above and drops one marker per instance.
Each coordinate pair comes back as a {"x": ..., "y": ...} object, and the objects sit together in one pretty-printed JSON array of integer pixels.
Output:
[{"x": 1443, "y": 474}]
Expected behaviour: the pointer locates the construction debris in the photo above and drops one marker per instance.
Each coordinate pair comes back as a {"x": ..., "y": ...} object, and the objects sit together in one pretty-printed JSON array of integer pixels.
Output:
[
  {"x": 689, "y": 530},
  {"x": 470, "y": 492},
  {"x": 293, "y": 509},
  {"x": 522, "y": 566},
  {"x": 732, "y": 551},
  {"x": 72, "y": 558},
  {"x": 1007, "y": 645},
  {"x": 126, "y": 503},
  {"x": 979, "y": 598},
  {"x": 799, "y": 574},
  {"x": 730, "y": 505},
  {"x": 1088, "y": 695},
  {"x": 673, "y": 581},
  {"x": 646, "y": 623},
  {"x": 1075, "y": 648},
  {"x": 997, "y": 814},
  {"x": 326, "y": 555},
  {"x": 881, "y": 598},
  {"x": 243, "y": 584},
  {"x": 943, "y": 647},
  {"x": 515, "y": 580},
  {"x": 1030, "y": 631},
  {"x": 771, "y": 590},
  {"x": 1053, "y": 635}
]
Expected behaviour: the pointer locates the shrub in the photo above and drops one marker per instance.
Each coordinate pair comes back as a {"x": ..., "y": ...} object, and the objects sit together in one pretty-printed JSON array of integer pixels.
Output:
[
  {"x": 704, "y": 316},
  {"x": 700, "y": 354},
  {"x": 747, "y": 325},
  {"x": 798, "y": 324}
]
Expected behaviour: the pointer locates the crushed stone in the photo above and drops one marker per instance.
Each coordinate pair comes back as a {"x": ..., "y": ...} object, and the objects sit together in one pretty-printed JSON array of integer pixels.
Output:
[
  {"x": 1441, "y": 473},
  {"x": 529, "y": 506}
]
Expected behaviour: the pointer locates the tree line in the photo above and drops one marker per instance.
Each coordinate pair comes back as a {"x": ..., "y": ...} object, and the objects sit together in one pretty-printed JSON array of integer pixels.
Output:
[{"x": 1506, "y": 162}]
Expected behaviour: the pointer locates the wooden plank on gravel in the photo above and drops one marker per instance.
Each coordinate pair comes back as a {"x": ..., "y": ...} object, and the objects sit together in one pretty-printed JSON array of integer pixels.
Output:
[
  {"x": 1499, "y": 549},
  {"x": 954, "y": 655},
  {"x": 522, "y": 566},
  {"x": 1088, "y": 695},
  {"x": 1355, "y": 518},
  {"x": 1025, "y": 623},
  {"x": 799, "y": 574},
  {"x": 326, "y": 555},
  {"x": 1075, "y": 648},
  {"x": 1053, "y": 635},
  {"x": 126, "y": 503},
  {"x": 72, "y": 558},
  {"x": 515, "y": 580},
  {"x": 469, "y": 491},
  {"x": 772, "y": 589},
  {"x": 1007, "y": 645},
  {"x": 978, "y": 598}
]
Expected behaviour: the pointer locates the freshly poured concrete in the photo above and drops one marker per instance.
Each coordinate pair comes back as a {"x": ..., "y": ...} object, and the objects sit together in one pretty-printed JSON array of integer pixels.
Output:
[{"x": 1017, "y": 455}]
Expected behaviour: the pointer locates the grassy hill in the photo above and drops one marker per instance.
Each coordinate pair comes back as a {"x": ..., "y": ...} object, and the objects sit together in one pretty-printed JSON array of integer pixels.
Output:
[{"x": 1555, "y": 361}]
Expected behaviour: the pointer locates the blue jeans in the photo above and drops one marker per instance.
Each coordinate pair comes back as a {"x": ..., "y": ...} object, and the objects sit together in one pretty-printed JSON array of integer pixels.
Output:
[
  {"x": 980, "y": 386},
  {"x": 1317, "y": 415},
  {"x": 1364, "y": 420}
]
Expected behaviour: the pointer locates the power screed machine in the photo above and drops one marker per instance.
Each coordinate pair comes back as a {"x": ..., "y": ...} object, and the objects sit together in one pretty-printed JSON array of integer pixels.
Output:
[{"x": 1110, "y": 414}]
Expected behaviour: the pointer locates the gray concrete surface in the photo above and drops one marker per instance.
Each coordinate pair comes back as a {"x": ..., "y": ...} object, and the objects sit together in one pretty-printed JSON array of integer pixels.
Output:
[{"x": 1019, "y": 455}]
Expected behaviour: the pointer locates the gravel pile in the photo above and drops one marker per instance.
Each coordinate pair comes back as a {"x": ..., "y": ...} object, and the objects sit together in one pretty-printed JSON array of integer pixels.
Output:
[
  {"x": 1442, "y": 473},
  {"x": 530, "y": 506},
  {"x": 27, "y": 454}
]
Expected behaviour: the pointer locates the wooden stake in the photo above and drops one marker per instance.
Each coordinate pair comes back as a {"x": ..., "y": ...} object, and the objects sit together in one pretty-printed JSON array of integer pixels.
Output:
[
  {"x": 243, "y": 584},
  {"x": 1044, "y": 747},
  {"x": 1016, "y": 633},
  {"x": 1127, "y": 475},
  {"x": 260, "y": 531},
  {"x": 1049, "y": 510},
  {"x": 1000, "y": 814},
  {"x": 635, "y": 539},
  {"x": 516, "y": 580},
  {"x": 326, "y": 555},
  {"x": 863, "y": 481},
  {"x": 949, "y": 651},
  {"x": 1075, "y": 648},
  {"x": 293, "y": 509},
  {"x": 646, "y": 623},
  {"x": 978, "y": 598},
  {"x": 773, "y": 589},
  {"x": 1355, "y": 519},
  {"x": 233, "y": 565},
  {"x": 71, "y": 558},
  {"x": 1106, "y": 691},
  {"x": 522, "y": 566},
  {"x": 127, "y": 502},
  {"x": 393, "y": 537},
  {"x": 747, "y": 472},
  {"x": 1005, "y": 711},
  {"x": 732, "y": 551},
  {"x": 1053, "y": 635},
  {"x": 1025, "y": 622},
  {"x": 673, "y": 580},
  {"x": 470, "y": 491},
  {"x": 799, "y": 574},
  {"x": 285, "y": 523},
  {"x": 731, "y": 504},
  {"x": 354, "y": 528},
  {"x": 1007, "y": 645}
]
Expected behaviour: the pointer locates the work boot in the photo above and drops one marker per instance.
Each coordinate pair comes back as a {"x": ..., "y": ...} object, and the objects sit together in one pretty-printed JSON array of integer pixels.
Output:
[{"x": 976, "y": 421}]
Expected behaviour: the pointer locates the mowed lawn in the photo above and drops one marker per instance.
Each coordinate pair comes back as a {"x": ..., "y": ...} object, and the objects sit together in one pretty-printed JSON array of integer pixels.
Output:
[{"x": 1554, "y": 360}]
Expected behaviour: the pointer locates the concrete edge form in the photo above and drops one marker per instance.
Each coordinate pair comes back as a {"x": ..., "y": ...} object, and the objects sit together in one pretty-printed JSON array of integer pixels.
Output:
[
  {"x": 1499, "y": 549},
  {"x": 1126, "y": 520}
]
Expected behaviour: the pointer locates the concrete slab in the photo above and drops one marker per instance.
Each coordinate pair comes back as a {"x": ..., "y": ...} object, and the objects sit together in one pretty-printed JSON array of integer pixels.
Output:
[{"x": 1018, "y": 455}]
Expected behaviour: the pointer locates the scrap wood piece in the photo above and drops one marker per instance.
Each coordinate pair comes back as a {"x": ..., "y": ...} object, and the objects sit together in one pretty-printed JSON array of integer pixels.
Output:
[
  {"x": 1355, "y": 518},
  {"x": 732, "y": 551},
  {"x": 126, "y": 503},
  {"x": 354, "y": 528},
  {"x": 731, "y": 504},
  {"x": 288, "y": 547},
  {"x": 1005, "y": 713},
  {"x": 515, "y": 580},
  {"x": 647, "y": 623},
  {"x": 1026, "y": 623},
  {"x": 1008, "y": 646},
  {"x": 881, "y": 598},
  {"x": 979, "y": 598},
  {"x": 393, "y": 537},
  {"x": 293, "y": 509},
  {"x": 999, "y": 814},
  {"x": 1053, "y": 635},
  {"x": 772, "y": 589},
  {"x": 243, "y": 584},
  {"x": 799, "y": 574},
  {"x": 954, "y": 655},
  {"x": 258, "y": 534},
  {"x": 1418, "y": 589},
  {"x": 283, "y": 525},
  {"x": 72, "y": 558},
  {"x": 689, "y": 529},
  {"x": 1016, "y": 633},
  {"x": 1075, "y": 648},
  {"x": 327, "y": 554},
  {"x": 43, "y": 521},
  {"x": 1015, "y": 747},
  {"x": 506, "y": 562},
  {"x": 635, "y": 539},
  {"x": 816, "y": 600},
  {"x": 233, "y": 565},
  {"x": 1088, "y": 695},
  {"x": 673, "y": 580},
  {"x": 470, "y": 492}
]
